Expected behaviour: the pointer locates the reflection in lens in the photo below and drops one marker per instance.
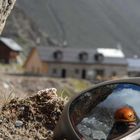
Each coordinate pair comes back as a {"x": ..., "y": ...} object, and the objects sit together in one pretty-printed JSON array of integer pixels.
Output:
[
  {"x": 124, "y": 95},
  {"x": 92, "y": 113}
]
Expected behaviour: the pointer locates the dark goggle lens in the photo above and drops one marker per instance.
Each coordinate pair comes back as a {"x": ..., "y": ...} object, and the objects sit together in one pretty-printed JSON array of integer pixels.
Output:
[{"x": 92, "y": 113}]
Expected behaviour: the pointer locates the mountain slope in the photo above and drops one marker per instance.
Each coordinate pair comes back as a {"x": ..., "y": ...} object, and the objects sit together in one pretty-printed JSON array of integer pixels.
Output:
[
  {"x": 88, "y": 23},
  {"x": 21, "y": 28}
]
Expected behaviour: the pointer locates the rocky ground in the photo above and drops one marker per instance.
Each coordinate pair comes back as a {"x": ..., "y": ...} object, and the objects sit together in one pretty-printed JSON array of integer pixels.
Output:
[{"x": 32, "y": 118}]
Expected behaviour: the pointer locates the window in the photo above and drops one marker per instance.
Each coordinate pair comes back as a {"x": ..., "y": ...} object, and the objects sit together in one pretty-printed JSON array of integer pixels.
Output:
[
  {"x": 76, "y": 71},
  {"x": 114, "y": 73},
  {"x": 58, "y": 55},
  {"x": 54, "y": 71},
  {"x": 99, "y": 72},
  {"x": 83, "y": 56},
  {"x": 98, "y": 57}
]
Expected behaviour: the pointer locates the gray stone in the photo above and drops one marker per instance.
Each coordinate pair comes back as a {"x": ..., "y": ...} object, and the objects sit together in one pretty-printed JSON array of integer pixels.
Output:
[
  {"x": 100, "y": 135},
  {"x": 18, "y": 123},
  {"x": 1, "y": 121}
]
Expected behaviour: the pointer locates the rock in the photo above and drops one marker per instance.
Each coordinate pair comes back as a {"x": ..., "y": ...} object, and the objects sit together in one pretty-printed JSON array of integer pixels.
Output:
[
  {"x": 100, "y": 135},
  {"x": 36, "y": 115},
  {"x": 18, "y": 123},
  {"x": 1, "y": 121}
]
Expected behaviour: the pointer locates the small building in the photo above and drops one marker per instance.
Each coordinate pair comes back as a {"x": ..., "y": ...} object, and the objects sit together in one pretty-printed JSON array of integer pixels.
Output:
[
  {"x": 85, "y": 63},
  {"x": 133, "y": 67},
  {"x": 9, "y": 50}
]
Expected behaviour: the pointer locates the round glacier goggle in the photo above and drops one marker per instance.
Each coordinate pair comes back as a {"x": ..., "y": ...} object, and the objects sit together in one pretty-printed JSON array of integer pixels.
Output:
[{"x": 89, "y": 115}]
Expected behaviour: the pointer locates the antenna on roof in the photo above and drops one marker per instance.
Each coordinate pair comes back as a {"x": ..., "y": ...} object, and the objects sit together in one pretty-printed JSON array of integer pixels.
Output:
[
  {"x": 119, "y": 46},
  {"x": 65, "y": 43}
]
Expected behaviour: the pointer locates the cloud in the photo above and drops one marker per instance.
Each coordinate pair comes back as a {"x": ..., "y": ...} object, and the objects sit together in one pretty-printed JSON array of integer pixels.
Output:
[{"x": 122, "y": 97}]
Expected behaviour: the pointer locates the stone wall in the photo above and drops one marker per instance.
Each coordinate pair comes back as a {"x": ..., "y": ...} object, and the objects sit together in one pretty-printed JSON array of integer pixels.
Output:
[{"x": 77, "y": 70}]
